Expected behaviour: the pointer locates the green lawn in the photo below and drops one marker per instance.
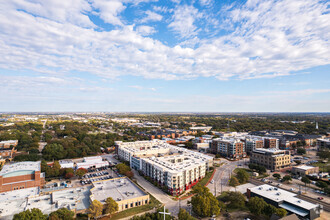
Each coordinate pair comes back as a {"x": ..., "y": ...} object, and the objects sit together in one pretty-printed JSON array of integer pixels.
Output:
[
  {"x": 206, "y": 178},
  {"x": 245, "y": 169},
  {"x": 136, "y": 210},
  {"x": 325, "y": 167}
]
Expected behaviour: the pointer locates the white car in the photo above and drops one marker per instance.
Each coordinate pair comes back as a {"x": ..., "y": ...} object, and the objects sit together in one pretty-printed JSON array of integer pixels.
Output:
[{"x": 212, "y": 181}]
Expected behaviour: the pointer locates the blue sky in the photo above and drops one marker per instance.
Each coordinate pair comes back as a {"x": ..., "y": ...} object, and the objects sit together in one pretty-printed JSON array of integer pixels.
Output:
[{"x": 165, "y": 56}]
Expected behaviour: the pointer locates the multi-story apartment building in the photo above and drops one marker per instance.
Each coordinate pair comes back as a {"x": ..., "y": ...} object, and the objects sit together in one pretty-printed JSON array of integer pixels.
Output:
[
  {"x": 175, "y": 168},
  {"x": 231, "y": 147},
  {"x": 271, "y": 142},
  {"x": 272, "y": 158},
  {"x": 252, "y": 143},
  {"x": 323, "y": 143}
]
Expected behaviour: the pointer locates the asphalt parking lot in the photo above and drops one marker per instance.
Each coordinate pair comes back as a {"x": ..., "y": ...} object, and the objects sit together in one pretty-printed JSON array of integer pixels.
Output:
[{"x": 98, "y": 174}]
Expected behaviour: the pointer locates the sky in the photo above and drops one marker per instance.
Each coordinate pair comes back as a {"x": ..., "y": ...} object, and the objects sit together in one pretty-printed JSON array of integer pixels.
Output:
[{"x": 165, "y": 56}]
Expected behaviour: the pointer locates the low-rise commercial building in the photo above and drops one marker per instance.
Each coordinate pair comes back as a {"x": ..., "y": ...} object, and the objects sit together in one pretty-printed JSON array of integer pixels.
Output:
[
  {"x": 202, "y": 129},
  {"x": 21, "y": 175},
  {"x": 8, "y": 144},
  {"x": 66, "y": 164},
  {"x": 272, "y": 158},
  {"x": 175, "y": 168},
  {"x": 304, "y": 170},
  {"x": 287, "y": 200},
  {"x": 92, "y": 162},
  {"x": 228, "y": 147},
  {"x": 122, "y": 190}
]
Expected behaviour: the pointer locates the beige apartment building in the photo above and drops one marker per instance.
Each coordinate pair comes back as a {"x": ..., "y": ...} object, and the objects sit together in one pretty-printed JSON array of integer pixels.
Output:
[{"x": 271, "y": 158}]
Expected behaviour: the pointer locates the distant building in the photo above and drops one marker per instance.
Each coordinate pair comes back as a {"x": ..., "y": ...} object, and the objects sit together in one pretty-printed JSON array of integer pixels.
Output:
[
  {"x": 21, "y": 175},
  {"x": 66, "y": 164},
  {"x": 228, "y": 147},
  {"x": 92, "y": 162},
  {"x": 271, "y": 143},
  {"x": 304, "y": 170},
  {"x": 203, "y": 129},
  {"x": 126, "y": 193},
  {"x": 283, "y": 199},
  {"x": 252, "y": 143},
  {"x": 272, "y": 158},
  {"x": 7, "y": 144},
  {"x": 323, "y": 143}
]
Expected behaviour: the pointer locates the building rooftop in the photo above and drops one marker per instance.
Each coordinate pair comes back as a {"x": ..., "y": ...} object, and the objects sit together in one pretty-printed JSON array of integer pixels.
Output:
[
  {"x": 278, "y": 195},
  {"x": 304, "y": 167},
  {"x": 20, "y": 166},
  {"x": 8, "y": 141},
  {"x": 65, "y": 161},
  {"x": 119, "y": 189},
  {"x": 272, "y": 151}
]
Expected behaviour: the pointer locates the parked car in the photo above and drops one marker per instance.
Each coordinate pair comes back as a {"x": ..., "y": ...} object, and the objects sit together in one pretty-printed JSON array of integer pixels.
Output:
[
  {"x": 292, "y": 189},
  {"x": 320, "y": 198},
  {"x": 212, "y": 181}
]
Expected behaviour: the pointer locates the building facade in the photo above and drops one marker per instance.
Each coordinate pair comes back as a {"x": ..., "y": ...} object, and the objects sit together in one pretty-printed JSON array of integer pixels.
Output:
[
  {"x": 21, "y": 175},
  {"x": 272, "y": 158},
  {"x": 175, "y": 168},
  {"x": 304, "y": 170},
  {"x": 231, "y": 148}
]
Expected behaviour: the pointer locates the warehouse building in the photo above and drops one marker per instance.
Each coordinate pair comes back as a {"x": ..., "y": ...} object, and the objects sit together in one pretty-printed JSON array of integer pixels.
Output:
[
  {"x": 122, "y": 190},
  {"x": 283, "y": 199}
]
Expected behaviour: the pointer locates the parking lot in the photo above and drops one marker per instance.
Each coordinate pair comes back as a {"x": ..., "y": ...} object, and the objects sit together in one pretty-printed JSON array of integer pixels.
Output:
[{"x": 97, "y": 174}]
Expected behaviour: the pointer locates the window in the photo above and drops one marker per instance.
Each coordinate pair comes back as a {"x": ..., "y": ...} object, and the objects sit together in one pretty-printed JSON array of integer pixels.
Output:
[
  {"x": 131, "y": 204},
  {"x": 126, "y": 206},
  {"x": 146, "y": 202}
]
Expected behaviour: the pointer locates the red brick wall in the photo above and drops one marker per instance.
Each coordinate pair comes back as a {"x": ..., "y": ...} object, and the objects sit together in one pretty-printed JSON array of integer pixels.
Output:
[{"x": 30, "y": 180}]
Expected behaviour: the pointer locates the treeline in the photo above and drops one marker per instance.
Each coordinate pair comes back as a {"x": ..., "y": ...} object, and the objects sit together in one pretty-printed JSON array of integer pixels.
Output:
[{"x": 35, "y": 213}]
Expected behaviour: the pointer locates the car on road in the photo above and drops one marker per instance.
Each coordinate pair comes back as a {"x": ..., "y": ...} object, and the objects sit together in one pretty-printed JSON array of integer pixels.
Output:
[
  {"x": 279, "y": 184},
  {"x": 320, "y": 198},
  {"x": 292, "y": 189},
  {"x": 212, "y": 181}
]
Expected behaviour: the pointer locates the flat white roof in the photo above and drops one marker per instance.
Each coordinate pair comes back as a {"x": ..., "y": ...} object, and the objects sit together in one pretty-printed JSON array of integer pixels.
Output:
[
  {"x": 20, "y": 166},
  {"x": 119, "y": 189},
  {"x": 304, "y": 167},
  {"x": 278, "y": 195},
  {"x": 7, "y": 142}
]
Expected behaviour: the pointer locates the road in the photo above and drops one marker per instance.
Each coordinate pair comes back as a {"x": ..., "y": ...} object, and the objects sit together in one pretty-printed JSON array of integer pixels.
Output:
[{"x": 223, "y": 174}]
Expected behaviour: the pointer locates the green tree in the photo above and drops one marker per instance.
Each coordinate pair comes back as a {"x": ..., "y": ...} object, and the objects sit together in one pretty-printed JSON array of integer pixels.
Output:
[
  {"x": 232, "y": 199},
  {"x": 256, "y": 205},
  {"x": 277, "y": 176},
  {"x": 321, "y": 184},
  {"x": 61, "y": 214},
  {"x": 95, "y": 209},
  {"x": 286, "y": 178},
  {"x": 305, "y": 180},
  {"x": 203, "y": 203},
  {"x": 269, "y": 210},
  {"x": 184, "y": 215},
  {"x": 301, "y": 151},
  {"x": 81, "y": 172},
  {"x": 233, "y": 182},
  {"x": 30, "y": 214},
  {"x": 56, "y": 168},
  {"x": 242, "y": 176},
  {"x": 111, "y": 206},
  {"x": 123, "y": 168},
  {"x": 281, "y": 212}
]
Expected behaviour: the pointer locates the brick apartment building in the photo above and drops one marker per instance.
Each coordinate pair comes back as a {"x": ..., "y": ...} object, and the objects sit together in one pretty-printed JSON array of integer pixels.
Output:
[
  {"x": 271, "y": 143},
  {"x": 21, "y": 175},
  {"x": 232, "y": 148}
]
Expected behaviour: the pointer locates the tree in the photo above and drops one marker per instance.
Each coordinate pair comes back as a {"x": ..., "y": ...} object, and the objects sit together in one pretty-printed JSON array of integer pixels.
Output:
[
  {"x": 129, "y": 174},
  {"x": 233, "y": 182},
  {"x": 123, "y": 168},
  {"x": 301, "y": 151},
  {"x": 184, "y": 215},
  {"x": 30, "y": 214},
  {"x": 286, "y": 178},
  {"x": 111, "y": 206},
  {"x": 56, "y": 168},
  {"x": 321, "y": 184},
  {"x": 277, "y": 176},
  {"x": 61, "y": 214},
  {"x": 68, "y": 175},
  {"x": 95, "y": 209},
  {"x": 81, "y": 172},
  {"x": 281, "y": 212},
  {"x": 305, "y": 180},
  {"x": 232, "y": 199},
  {"x": 256, "y": 205},
  {"x": 269, "y": 210},
  {"x": 324, "y": 154},
  {"x": 203, "y": 203},
  {"x": 298, "y": 162},
  {"x": 242, "y": 176}
]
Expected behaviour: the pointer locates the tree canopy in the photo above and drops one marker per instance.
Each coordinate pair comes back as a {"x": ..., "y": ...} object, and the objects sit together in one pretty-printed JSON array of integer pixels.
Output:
[
  {"x": 111, "y": 206},
  {"x": 204, "y": 203},
  {"x": 30, "y": 214},
  {"x": 95, "y": 209},
  {"x": 61, "y": 214}
]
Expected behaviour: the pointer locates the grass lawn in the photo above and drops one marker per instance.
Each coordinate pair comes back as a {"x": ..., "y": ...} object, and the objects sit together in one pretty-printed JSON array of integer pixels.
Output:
[
  {"x": 245, "y": 169},
  {"x": 136, "y": 210},
  {"x": 206, "y": 178},
  {"x": 325, "y": 167}
]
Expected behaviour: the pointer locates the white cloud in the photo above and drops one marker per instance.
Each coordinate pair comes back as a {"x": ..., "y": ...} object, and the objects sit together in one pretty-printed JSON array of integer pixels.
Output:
[
  {"x": 270, "y": 39},
  {"x": 145, "y": 30},
  {"x": 151, "y": 16},
  {"x": 183, "y": 21}
]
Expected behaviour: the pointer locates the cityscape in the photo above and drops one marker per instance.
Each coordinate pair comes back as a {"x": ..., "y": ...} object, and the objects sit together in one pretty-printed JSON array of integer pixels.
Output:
[{"x": 165, "y": 110}]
